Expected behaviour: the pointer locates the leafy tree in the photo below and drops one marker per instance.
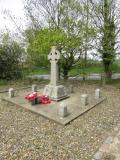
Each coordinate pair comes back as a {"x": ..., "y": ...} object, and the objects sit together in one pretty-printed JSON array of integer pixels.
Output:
[
  {"x": 105, "y": 16},
  {"x": 41, "y": 46},
  {"x": 64, "y": 27},
  {"x": 109, "y": 38}
]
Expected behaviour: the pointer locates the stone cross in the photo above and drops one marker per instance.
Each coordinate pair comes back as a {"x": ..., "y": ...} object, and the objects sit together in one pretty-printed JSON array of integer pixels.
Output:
[
  {"x": 55, "y": 91},
  {"x": 54, "y": 57}
]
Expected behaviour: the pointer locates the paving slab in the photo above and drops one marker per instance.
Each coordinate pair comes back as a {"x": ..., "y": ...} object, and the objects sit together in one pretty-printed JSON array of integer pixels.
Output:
[{"x": 50, "y": 111}]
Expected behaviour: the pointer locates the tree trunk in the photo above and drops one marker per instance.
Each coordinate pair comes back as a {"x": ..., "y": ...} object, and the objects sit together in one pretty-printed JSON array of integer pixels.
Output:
[
  {"x": 59, "y": 68},
  {"x": 108, "y": 72},
  {"x": 65, "y": 74}
]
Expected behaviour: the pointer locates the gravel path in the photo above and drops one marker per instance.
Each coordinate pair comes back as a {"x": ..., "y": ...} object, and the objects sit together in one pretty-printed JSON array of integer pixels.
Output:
[{"x": 27, "y": 136}]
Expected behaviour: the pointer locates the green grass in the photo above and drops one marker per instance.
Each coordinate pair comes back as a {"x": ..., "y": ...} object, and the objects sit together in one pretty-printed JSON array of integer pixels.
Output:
[
  {"x": 76, "y": 71},
  {"x": 39, "y": 71},
  {"x": 86, "y": 71},
  {"x": 3, "y": 82},
  {"x": 94, "y": 68},
  {"x": 116, "y": 67},
  {"x": 11, "y": 83},
  {"x": 90, "y": 69},
  {"x": 115, "y": 83}
]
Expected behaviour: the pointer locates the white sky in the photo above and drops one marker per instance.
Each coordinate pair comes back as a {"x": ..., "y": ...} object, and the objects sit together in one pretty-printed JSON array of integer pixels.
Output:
[{"x": 16, "y": 8}]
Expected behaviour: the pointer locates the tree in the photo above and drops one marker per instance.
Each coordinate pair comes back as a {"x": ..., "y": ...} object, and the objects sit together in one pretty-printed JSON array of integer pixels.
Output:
[
  {"x": 10, "y": 58},
  {"x": 41, "y": 46},
  {"x": 105, "y": 18},
  {"x": 108, "y": 39},
  {"x": 65, "y": 28}
]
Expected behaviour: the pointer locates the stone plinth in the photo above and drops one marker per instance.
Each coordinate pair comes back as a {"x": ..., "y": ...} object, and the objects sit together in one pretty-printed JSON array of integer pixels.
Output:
[{"x": 56, "y": 93}]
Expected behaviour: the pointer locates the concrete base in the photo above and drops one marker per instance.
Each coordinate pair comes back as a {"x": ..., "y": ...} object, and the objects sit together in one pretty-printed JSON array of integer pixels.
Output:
[
  {"x": 51, "y": 111},
  {"x": 56, "y": 93}
]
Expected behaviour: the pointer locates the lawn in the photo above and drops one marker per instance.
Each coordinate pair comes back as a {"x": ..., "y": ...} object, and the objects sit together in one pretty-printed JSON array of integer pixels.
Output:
[
  {"x": 78, "y": 70},
  {"x": 39, "y": 71}
]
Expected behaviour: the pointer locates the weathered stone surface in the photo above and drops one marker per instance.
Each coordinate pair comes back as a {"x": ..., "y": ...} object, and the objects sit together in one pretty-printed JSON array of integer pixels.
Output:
[
  {"x": 55, "y": 93},
  {"x": 54, "y": 57},
  {"x": 63, "y": 110},
  {"x": 84, "y": 99},
  {"x": 53, "y": 90},
  {"x": 109, "y": 140},
  {"x": 11, "y": 93},
  {"x": 97, "y": 93},
  {"x": 98, "y": 156},
  {"x": 111, "y": 146},
  {"x": 50, "y": 111}
]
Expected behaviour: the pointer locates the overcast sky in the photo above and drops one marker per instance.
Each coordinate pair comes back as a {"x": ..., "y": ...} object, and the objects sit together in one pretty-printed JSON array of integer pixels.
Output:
[{"x": 16, "y": 8}]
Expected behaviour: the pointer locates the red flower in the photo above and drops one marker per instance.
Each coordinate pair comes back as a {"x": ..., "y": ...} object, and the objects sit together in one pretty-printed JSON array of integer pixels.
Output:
[
  {"x": 31, "y": 97},
  {"x": 45, "y": 99}
]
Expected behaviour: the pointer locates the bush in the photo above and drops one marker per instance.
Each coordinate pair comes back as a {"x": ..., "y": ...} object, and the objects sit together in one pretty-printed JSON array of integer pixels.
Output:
[{"x": 10, "y": 60}]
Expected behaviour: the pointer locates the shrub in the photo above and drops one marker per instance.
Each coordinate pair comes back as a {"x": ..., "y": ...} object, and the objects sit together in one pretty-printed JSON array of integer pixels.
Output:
[{"x": 10, "y": 60}]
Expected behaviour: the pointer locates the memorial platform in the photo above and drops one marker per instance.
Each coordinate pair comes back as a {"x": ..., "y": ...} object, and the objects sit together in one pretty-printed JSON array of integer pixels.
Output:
[{"x": 50, "y": 111}]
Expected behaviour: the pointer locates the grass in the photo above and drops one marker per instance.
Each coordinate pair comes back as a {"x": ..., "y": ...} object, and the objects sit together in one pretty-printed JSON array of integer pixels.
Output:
[
  {"x": 115, "y": 83},
  {"x": 90, "y": 69},
  {"x": 116, "y": 67},
  {"x": 27, "y": 82},
  {"x": 39, "y": 71},
  {"x": 94, "y": 68},
  {"x": 76, "y": 71},
  {"x": 86, "y": 71},
  {"x": 3, "y": 82}
]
